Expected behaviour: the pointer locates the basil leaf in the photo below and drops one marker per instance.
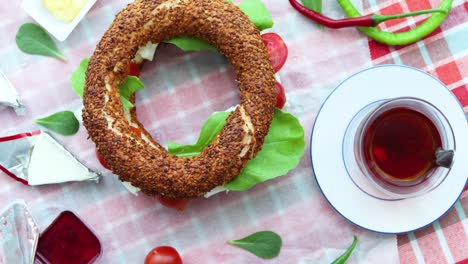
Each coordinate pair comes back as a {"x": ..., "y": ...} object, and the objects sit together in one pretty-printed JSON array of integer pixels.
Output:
[
  {"x": 64, "y": 123},
  {"x": 32, "y": 39},
  {"x": 264, "y": 244},
  {"x": 342, "y": 259},
  {"x": 210, "y": 129},
  {"x": 282, "y": 150},
  {"x": 128, "y": 88},
  {"x": 315, "y": 5},
  {"x": 78, "y": 77},
  {"x": 257, "y": 13},
  {"x": 254, "y": 9}
]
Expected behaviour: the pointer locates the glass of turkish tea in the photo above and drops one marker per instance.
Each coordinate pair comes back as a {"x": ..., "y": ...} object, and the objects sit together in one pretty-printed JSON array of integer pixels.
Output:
[{"x": 404, "y": 147}]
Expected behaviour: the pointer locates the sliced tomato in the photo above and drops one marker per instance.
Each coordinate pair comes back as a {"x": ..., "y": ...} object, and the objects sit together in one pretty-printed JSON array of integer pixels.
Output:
[
  {"x": 280, "y": 96},
  {"x": 277, "y": 49},
  {"x": 101, "y": 160},
  {"x": 134, "y": 69},
  {"x": 163, "y": 255},
  {"x": 178, "y": 204},
  {"x": 136, "y": 130}
]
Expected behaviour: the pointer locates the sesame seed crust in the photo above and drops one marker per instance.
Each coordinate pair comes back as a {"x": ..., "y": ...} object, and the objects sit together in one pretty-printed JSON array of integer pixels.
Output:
[{"x": 145, "y": 163}]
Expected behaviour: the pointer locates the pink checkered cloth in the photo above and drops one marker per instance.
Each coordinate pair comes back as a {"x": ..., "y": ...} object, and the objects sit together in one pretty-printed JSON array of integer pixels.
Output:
[{"x": 182, "y": 90}]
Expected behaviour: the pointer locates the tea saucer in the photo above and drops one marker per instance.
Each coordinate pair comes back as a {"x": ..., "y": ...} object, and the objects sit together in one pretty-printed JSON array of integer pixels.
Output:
[{"x": 371, "y": 85}]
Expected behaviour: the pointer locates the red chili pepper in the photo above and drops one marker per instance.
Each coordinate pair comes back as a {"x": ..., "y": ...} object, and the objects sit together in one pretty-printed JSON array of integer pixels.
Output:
[{"x": 370, "y": 20}]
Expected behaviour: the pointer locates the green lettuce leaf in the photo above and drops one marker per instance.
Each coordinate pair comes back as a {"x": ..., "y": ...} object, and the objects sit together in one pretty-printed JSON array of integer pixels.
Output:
[
  {"x": 257, "y": 13},
  {"x": 282, "y": 150},
  {"x": 127, "y": 89},
  {"x": 254, "y": 9},
  {"x": 78, "y": 77},
  {"x": 191, "y": 44},
  {"x": 210, "y": 129}
]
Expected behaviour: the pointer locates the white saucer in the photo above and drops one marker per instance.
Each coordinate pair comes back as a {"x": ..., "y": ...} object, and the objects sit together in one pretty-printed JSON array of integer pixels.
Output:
[{"x": 370, "y": 85}]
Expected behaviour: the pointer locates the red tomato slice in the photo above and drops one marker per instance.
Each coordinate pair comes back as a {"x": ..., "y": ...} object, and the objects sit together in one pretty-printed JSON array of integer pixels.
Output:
[
  {"x": 136, "y": 130},
  {"x": 163, "y": 255},
  {"x": 101, "y": 160},
  {"x": 280, "y": 96},
  {"x": 178, "y": 204},
  {"x": 277, "y": 49},
  {"x": 134, "y": 69}
]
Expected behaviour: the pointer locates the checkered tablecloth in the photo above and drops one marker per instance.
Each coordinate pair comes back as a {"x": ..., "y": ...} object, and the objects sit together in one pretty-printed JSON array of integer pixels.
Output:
[
  {"x": 182, "y": 90},
  {"x": 443, "y": 54}
]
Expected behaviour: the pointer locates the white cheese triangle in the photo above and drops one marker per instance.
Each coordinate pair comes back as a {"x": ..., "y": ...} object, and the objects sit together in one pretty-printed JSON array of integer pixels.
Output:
[{"x": 52, "y": 163}]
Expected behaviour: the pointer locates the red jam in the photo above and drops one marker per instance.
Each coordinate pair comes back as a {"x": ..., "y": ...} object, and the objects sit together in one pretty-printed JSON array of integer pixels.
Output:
[{"x": 67, "y": 241}]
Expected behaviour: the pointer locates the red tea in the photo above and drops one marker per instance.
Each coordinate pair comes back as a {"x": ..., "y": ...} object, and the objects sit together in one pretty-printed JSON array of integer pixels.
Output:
[{"x": 400, "y": 145}]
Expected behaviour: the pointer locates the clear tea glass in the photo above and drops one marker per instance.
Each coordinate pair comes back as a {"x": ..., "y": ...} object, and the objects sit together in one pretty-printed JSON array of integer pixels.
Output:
[{"x": 398, "y": 148}]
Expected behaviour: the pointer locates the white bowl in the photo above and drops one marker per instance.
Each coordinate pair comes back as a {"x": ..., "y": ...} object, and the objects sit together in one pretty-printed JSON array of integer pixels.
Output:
[{"x": 59, "y": 29}]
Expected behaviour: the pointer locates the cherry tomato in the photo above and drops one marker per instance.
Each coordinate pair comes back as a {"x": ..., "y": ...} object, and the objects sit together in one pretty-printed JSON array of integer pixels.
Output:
[
  {"x": 277, "y": 49},
  {"x": 178, "y": 204},
  {"x": 280, "y": 96},
  {"x": 134, "y": 69},
  {"x": 101, "y": 160},
  {"x": 163, "y": 255}
]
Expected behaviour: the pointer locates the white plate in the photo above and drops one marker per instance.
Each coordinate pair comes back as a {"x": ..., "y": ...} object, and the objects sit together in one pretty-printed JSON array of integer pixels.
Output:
[
  {"x": 373, "y": 84},
  {"x": 59, "y": 29}
]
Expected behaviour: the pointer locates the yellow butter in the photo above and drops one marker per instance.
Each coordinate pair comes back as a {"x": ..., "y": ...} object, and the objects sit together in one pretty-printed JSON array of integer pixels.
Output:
[{"x": 65, "y": 10}]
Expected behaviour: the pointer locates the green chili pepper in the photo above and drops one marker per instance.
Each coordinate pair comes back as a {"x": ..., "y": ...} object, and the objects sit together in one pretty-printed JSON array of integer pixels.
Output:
[
  {"x": 402, "y": 38},
  {"x": 343, "y": 258}
]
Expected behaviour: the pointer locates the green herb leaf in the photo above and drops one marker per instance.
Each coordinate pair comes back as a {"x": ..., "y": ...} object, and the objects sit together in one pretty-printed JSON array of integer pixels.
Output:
[
  {"x": 257, "y": 13},
  {"x": 254, "y": 9},
  {"x": 32, "y": 39},
  {"x": 264, "y": 244},
  {"x": 282, "y": 150},
  {"x": 315, "y": 5},
  {"x": 78, "y": 77},
  {"x": 126, "y": 103},
  {"x": 64, "y": 123},
  {"x": 191, "y": 44},
  {"x": 128, "y": 88},
  {"x": 210, "y": 129},
  {"x": 342, "y": 259}
]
